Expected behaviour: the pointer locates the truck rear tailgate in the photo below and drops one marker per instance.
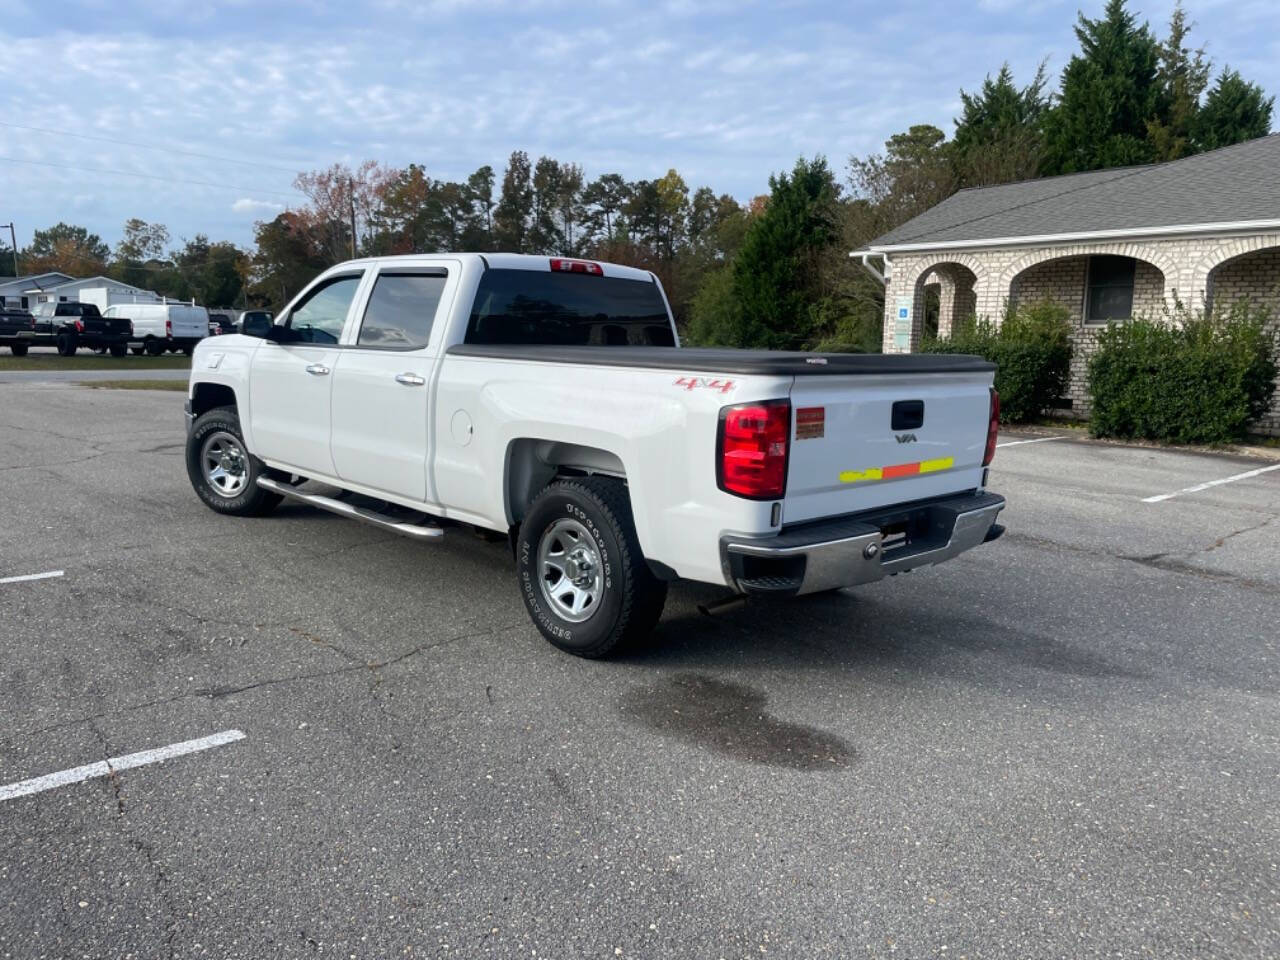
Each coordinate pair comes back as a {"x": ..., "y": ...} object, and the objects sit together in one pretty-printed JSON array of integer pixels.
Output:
[{"x": 867, "y": 441}]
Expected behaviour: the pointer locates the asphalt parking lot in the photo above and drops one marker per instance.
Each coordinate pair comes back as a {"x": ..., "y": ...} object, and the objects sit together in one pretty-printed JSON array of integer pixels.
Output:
[{"x": 1063, "y": 744}]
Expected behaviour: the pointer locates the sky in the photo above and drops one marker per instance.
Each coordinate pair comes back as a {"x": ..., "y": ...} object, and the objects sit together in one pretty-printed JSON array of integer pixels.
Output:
[{"x": 219, "y": 104}]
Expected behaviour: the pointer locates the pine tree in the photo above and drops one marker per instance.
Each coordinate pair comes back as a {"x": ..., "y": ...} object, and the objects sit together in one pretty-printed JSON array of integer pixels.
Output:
[
  {"x": 999, "y": 135},
  {"x": 515, "y": 208},
  {"x": 767, "y": 300},
  {"x": 1234, "y": 111},
  {"x": 1183, "y": 75},
  {"x": 1110, "y": 92}
]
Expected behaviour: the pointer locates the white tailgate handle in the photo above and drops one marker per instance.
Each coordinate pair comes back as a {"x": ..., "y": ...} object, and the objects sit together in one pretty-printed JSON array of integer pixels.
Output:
[
  {"x": 410, "y": 379},
  {"x": 318, "y": 369}
]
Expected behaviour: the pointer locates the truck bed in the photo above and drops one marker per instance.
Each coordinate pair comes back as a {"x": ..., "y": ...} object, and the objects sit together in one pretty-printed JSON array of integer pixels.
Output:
[{"x": 743, "y": 362}]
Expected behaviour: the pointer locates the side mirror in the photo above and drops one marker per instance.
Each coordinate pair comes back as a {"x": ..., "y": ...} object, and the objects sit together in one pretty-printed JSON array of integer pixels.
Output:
[{"x": 259, "y": 327}]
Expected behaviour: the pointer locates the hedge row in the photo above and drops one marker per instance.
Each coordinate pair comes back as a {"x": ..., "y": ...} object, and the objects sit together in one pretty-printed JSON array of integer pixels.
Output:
[{"x": 1183, "y": 378}]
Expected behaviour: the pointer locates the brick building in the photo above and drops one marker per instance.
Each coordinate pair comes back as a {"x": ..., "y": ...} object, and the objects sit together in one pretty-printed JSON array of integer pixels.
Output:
[{"x": 1108, "y": 245}]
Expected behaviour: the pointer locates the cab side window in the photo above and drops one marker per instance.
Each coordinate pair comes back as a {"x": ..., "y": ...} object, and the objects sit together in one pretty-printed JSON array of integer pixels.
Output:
[
  {"x": 402, "y": 308},
  {"x": 320, "y": 317}
]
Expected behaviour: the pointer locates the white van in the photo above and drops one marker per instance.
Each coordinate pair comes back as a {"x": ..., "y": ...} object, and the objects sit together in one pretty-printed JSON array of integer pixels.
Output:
[{"x": 158, "y": 327}]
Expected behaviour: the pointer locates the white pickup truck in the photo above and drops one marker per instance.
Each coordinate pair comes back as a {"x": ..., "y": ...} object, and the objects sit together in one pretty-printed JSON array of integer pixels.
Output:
[{"x": 547, "y": 400}]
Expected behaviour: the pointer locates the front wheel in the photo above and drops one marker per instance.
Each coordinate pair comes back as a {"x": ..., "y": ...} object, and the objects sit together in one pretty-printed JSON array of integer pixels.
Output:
[
  {"x": 581, "y": 573},
  {"x": 222, "y": 471},
  {"x": 153, "y": 347},
  {"x": 19, "y": 349},
  {"x": 67, "y": 344},
  {"x": 118, "y": 349}
]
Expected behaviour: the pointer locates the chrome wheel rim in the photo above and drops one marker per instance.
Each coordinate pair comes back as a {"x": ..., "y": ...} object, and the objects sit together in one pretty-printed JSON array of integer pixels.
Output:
[
  {"x": 225, "y": 464},
  {"x": 571, "y": 570}
]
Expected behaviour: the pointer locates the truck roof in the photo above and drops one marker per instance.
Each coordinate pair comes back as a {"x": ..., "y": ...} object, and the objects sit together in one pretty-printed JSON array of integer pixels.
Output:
[{"x": 515, "y": 261}]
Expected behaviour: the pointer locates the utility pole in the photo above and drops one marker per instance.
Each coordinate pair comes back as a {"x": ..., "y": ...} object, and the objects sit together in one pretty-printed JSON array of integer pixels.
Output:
[
  {"x": 13, "y": 240},
  {"x": 351, "y": 196}
]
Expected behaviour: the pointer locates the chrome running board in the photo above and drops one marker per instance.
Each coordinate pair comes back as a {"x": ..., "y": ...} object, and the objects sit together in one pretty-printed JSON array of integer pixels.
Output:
[{"x": 415, "y": 530}]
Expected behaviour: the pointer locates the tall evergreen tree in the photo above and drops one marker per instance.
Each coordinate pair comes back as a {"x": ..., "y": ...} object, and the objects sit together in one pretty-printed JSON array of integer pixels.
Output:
[
  {"x": 515, "y": 208},
  {"x": 1110, "y": 91},
  {"x": 767, "y": 300},
  {"x": 999, "y": 134},
  {"x": 1183, "y": 74},
  {"x": 1235, "y": 110}
]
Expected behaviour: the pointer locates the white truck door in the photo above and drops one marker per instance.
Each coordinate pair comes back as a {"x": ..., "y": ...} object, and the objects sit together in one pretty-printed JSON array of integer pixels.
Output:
[
  {"x": 382, "y": 386},
  {"x": 291, "y": 381}
]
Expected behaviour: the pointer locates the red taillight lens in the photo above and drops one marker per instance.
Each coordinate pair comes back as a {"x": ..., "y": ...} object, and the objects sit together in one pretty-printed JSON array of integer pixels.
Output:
[
  {"x": 751, "y": 459},
  {"x": 79, "y": 326},
  {"x": 993, "y": 428},
  {"x": 560, "y": 265},
  {"x": 168, "y": 328}
]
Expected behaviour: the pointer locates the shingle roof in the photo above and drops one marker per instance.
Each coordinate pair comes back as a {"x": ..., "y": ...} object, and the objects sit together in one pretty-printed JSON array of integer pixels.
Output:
[{"x": 1233, "y": 184}]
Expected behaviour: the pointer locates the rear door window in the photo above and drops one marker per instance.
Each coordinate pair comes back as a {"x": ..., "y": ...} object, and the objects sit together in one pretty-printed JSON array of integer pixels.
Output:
[
  {"x": 568, "y": 309},
  {"x": 402, "y": 309}
]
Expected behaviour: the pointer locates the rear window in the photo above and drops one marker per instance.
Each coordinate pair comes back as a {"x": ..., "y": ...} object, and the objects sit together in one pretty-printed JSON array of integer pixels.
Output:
[{"x": 568, "y": 309}]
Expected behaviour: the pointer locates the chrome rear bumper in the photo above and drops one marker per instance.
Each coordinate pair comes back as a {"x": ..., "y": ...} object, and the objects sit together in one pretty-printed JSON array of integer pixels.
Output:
[{"x": 862, "y": 548}]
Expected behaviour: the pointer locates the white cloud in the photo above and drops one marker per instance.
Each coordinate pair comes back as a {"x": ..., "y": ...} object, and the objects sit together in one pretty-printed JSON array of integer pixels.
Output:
[{"x": 247, "y": 205}]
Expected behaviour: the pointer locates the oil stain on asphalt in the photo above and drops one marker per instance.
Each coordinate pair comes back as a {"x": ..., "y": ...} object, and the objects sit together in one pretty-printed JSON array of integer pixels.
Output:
[{"x": 731, "y": 719}]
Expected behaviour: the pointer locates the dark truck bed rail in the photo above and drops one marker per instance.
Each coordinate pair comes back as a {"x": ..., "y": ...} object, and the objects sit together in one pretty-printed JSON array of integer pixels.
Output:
[{"x": 744, "y": 362}]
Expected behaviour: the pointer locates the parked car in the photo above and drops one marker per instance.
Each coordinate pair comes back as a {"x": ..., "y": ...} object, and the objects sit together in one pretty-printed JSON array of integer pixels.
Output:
[
  {"x": 69, "y": 325},
  {"x": 546, "y": 400},
  {"x": 158, "y": 327},
  {"x": 221, "y": 323},
  {"x": 17, "y": 330}
]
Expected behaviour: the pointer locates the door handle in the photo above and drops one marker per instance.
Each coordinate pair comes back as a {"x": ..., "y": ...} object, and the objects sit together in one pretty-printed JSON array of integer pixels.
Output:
[
  {"x": 318, "y": 369},
  {"x": 410, "y": 379}
]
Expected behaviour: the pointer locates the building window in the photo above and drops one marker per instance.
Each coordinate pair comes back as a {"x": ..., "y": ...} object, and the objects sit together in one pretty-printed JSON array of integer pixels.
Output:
[{"x": 1109, "y": 293}]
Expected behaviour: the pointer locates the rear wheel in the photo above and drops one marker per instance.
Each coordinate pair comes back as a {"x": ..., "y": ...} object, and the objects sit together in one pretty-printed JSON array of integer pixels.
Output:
[
  {"x": 153, "y": 347},
  {"x": 118, "y": 349},
  {"x": 582, "y": 576},
  {"x": 19, "y": 349},
  {"x": 67, "y": 344},
  {"x": 136, "y": 351},
  {"x": 221, "y": 469}
]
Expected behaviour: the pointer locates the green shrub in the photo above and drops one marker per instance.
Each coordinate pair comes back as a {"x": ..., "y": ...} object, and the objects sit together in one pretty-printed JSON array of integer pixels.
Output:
[
  {"x": 1032, "y": 353},
  {"x": 1186, "y": 377}
]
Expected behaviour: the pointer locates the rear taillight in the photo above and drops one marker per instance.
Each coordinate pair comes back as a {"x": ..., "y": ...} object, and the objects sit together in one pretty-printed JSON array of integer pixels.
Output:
[
  {"x": 993, "y": 428},
  {"x": 79, "y": 326},
  {"x": 751, "y": 449},
  {"x": 560, "y": 265},
  {"x": 168, "y": 328}
]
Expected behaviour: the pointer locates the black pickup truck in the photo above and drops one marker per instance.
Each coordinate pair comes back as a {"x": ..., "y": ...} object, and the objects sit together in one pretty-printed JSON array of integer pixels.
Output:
[
  {"x": 17, "y": 329},
  {"x": 70, "y": 325}
]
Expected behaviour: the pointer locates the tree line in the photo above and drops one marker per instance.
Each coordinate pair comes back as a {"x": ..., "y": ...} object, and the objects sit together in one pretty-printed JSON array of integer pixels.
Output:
[{"x": 770, "y": 272}]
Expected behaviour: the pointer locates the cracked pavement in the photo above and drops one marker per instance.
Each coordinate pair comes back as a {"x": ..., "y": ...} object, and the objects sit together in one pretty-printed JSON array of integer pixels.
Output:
[{"x": 1065, "y": 743}]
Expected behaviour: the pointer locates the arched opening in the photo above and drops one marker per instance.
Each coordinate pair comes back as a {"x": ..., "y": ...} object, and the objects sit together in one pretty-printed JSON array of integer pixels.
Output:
[
  {"x": 945, "y": 298},
  {"x": 1251, "y": 277},
  {"x": 1095, "y": 289}
]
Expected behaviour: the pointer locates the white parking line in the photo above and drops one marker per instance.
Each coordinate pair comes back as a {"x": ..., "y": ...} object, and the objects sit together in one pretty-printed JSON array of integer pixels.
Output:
[
  {"x": 106, "y": 767},
  {"x": 1212, "y": 483},
  {"x": 1014, "y": 443},
  {"x": 32, "y": 576}
]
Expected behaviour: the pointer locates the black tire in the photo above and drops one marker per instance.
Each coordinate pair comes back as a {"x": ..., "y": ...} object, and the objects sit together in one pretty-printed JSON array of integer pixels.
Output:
[
  {"x": 631, "y": 598},
  {"x": 136, "y": 351},
  {"x": 118, "y": 350},
  {"x": 67, "y": 344},
  {"x": 153, "y": 347},
  {"x": 188, "y": 351},
  {"x": 19, "y": 349},
  {"x": 251, "y": 500},
  {"x": 100, "y": 351}
]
